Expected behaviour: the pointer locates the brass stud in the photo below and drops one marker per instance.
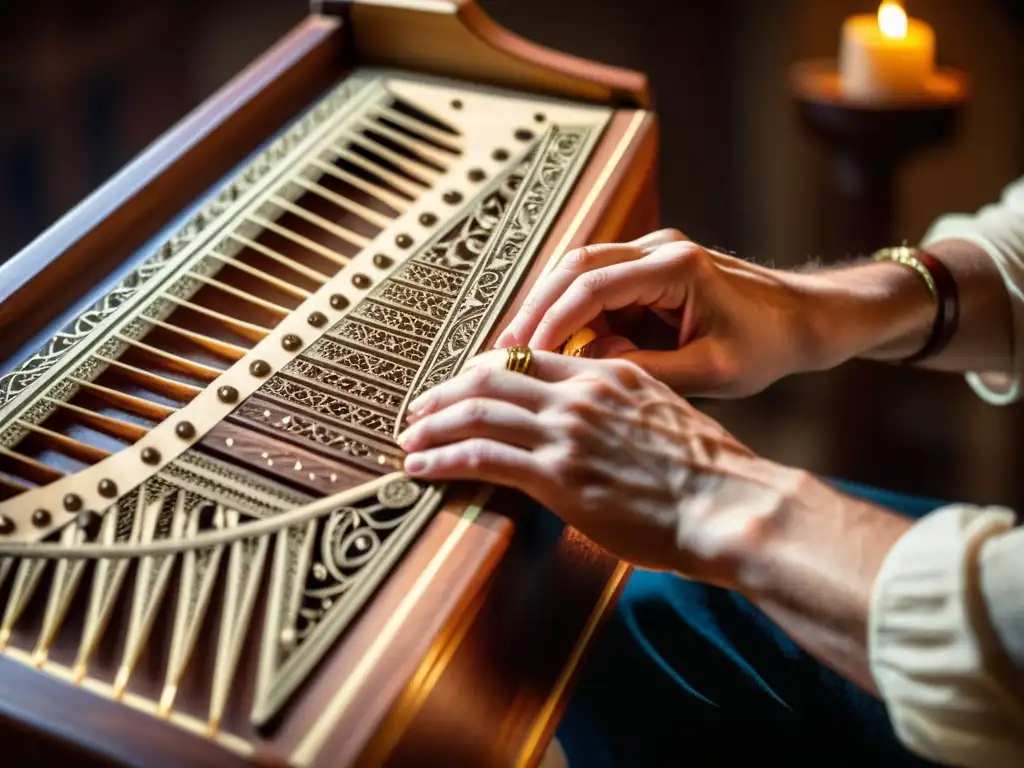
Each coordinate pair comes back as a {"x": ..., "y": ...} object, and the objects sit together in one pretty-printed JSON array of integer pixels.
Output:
[
  {"x": 259, "y": 368},
  {"x": 41, "y": 518},
  {"x": 107, "y": 488},
  {"x": 456, "y": 104},
  {"x": 150, "y": 455},
  {"x": 291, "y": 342},
  {"x": 476, "y": 174},
  {"x": 72, "y": 502},
  {"x": 540, "y": 117},
  {"x": 428, "y": 219},
  {"x": 382, "y": 261},
  {"x": 6, "y": 525},
  {"x": 87, "y": 520},
  {"x": 360, "y": 281},
  {"x": 452, "y": 197},
  {"x": 403, "y": 241},
  {"x": 338, "y": 301},
  {"x": 317, "y": 319},
  {"x": 501, "y": 155},
  {"x": 227, "y": 394},
  {"x": 389, "y": 461},
  {"x": 185, "y": 430},
  {"x": 523, "y": 134}
]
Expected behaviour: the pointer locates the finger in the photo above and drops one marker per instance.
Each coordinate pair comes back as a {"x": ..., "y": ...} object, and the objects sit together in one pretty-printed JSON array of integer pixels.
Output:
[
  {"x": 485, "y": 378},
  {"x": 660, "y": 237},
  {"x": 554, "y": 284},
  {"x": 479, "y": 459},
  {"x": 700, "y": 369},
  {"x": 473, "y": 418},
  {"x": 657, "y": 281},
  {"x": 611, "y": 346},
  {"x": 573, "y": 264},
  {"x": 668, "y": 317}
]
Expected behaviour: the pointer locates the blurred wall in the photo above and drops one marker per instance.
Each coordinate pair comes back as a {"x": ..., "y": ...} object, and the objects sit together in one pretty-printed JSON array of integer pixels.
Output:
[{"x": 738, "y": 169}]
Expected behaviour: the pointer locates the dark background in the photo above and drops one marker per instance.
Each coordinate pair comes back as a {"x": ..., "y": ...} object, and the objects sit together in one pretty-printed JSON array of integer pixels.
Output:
[{"x": 86, "y": 86}]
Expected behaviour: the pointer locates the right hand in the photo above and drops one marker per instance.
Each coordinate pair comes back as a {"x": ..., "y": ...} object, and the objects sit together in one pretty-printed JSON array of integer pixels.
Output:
[
  {"x": 610, "y": 451},
  {"x": 740, "y": 326}
]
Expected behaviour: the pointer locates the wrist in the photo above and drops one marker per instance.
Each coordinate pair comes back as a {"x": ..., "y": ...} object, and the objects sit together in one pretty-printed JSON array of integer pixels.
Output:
[
  {"x": 818, "y": 532},
  {"x": 747, "y": 503},
  {"x": 878, "y": 310}
]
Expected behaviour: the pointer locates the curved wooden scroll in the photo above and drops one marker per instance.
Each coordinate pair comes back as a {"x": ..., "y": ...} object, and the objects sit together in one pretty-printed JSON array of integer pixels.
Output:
[{"x": 456, "y": 38}]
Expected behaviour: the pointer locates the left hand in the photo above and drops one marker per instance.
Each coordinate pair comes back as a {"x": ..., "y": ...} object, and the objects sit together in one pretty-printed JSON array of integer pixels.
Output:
[
  {"x": 725, "y": 327},
  {"x": 607, "y": 448}
]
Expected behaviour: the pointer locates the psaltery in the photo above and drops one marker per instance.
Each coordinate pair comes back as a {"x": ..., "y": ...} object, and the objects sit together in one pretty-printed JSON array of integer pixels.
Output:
[{"x": 208, "y": 552}]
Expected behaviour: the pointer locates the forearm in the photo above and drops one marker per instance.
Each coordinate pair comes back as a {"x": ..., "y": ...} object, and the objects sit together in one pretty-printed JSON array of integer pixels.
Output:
[
  {"x": 883, "y": 311},
  {"x": 811, "y": 568}
]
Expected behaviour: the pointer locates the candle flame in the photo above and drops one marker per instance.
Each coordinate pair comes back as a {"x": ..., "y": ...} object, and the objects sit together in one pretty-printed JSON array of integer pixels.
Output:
[{"x": 892, "y": 20}]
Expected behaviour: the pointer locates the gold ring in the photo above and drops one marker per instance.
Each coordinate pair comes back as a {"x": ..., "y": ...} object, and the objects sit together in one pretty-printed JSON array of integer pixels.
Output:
[{"x": 519, "y": 360}]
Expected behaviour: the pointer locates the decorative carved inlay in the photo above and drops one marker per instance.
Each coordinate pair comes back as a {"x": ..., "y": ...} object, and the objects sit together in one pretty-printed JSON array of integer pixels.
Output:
[
  {"x": 324, "y": 571},
  {"x": 508, "y": 255}
]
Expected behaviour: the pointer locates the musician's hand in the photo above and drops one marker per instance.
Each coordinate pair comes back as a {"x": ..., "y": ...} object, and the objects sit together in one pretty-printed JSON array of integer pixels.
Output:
[
  {"x": 610, "y": 450},
  {"x": 737, "y": 327}
]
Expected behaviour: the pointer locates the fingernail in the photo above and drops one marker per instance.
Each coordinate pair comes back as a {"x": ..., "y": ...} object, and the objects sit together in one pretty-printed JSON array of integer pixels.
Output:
[
  {"x": 416, "y": 405},
  {"x": 404, "y": 438},
  {"x": 415, "y": 463}
]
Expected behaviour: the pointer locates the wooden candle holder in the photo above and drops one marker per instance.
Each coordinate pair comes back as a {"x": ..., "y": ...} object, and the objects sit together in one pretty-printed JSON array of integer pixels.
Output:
[{"x": 869, "y": 139}]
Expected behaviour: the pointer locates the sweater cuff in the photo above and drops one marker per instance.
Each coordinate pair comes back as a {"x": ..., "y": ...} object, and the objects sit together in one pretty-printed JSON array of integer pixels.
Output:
[
  {"x": 1002, "y": 584},
  {"x": 930, "y": 645},
  {"x": 997, "y": 388}
]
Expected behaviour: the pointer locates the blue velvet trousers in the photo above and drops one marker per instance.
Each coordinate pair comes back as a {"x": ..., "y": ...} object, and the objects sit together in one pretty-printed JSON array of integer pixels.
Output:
[{"x": 689, "y": 675}]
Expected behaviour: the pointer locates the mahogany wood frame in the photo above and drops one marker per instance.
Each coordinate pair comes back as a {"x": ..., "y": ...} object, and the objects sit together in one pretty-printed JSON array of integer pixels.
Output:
[
  {"x": 455, "y": 38},
  {"x": 413, "y": 708}
]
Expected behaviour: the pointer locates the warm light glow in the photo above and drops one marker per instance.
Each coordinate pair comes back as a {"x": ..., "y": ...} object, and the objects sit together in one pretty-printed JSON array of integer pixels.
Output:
[{"x": 892, "y": 20}]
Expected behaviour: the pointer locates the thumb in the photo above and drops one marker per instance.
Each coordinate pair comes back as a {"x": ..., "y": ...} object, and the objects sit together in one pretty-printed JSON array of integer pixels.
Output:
[
  {"x": 702, "y": 368},
  {"x": 611, "y": 346}
]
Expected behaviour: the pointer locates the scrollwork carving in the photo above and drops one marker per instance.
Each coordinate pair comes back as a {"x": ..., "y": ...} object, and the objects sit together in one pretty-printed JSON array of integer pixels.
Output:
[
  {"x": 507, "y": 256},
  {"x": 325, "y": 572}
]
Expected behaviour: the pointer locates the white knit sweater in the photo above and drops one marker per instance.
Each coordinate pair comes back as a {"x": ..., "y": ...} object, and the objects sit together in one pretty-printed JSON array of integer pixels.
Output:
[{"x": 946, "y": 633}]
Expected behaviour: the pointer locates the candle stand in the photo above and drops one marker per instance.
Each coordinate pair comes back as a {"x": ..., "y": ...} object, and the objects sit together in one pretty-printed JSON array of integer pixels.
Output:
[{"x": 867, "y": 143}]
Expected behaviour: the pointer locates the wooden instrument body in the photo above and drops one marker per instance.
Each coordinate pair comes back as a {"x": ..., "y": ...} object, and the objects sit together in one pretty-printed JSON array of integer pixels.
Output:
[{"x": 467, "y": 651}]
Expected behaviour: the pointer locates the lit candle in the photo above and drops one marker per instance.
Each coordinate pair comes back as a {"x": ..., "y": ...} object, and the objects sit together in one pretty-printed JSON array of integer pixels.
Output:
[{"x": 886, "y": 56}]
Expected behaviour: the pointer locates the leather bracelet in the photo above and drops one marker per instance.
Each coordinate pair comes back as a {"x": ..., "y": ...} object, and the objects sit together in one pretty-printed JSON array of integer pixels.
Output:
[{"x": 942, "y": 287}]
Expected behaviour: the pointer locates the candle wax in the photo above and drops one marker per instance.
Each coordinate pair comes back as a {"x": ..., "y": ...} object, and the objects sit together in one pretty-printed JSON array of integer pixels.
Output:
[{"x": 873, "y": 67}]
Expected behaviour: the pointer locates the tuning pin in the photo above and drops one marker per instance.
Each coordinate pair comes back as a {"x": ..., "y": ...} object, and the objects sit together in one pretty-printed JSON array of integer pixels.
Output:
[{"x": 389, "y": 461}]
